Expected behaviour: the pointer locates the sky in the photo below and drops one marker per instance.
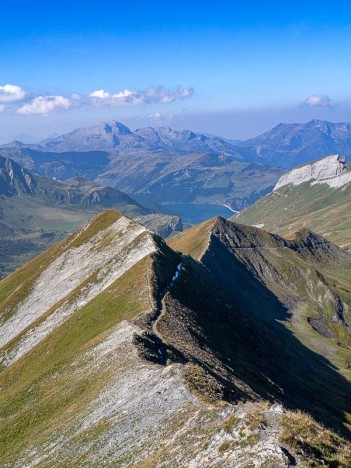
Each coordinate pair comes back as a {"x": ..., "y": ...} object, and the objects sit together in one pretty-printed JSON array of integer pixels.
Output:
[{"x": 228, "y": 68}]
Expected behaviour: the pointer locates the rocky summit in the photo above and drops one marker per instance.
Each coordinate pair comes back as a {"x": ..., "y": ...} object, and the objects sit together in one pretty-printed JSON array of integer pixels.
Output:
[
  {"x": 290, "y": 144},
  {"x": 120, "y": 350},
  {"x": 331, "y": 170},
  {"x": 315, "y": 195}
]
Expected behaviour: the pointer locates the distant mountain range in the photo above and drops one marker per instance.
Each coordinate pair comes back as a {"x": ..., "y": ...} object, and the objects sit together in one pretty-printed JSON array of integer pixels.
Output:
[
  {"x": 162, "y": 164},
  {"x": 114, "y": 136},
  {"x": 288, "y": 145},
  {"x": 227, "y": 347},
  {"x": 177, "y": 168},
  {"x": 36, "y": 211},
  {"x": 285, "y": 145},
  {"x": 316, "y": 195}
]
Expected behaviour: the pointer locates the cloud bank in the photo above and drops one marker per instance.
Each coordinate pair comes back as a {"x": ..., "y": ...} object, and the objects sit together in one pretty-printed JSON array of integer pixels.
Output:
[
  {"x": 157, "y": 94},
  {"x": 12, "y": 95},
  {"x": 318, "y": 100},
  {"x": 45, "y": 105}
]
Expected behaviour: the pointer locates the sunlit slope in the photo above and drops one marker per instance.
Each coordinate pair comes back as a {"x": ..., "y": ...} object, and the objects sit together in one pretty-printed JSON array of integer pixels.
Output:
[
  {"x": 320, "y": 204},
  {"x": 66, "y": 278},
  {"x": 59, "y": 315}
]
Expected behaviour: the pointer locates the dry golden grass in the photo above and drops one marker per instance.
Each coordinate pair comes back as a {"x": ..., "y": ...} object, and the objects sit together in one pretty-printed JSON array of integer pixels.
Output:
[
  {"x": 313, "y": 442},
  {"x": 194, "y": 241}
]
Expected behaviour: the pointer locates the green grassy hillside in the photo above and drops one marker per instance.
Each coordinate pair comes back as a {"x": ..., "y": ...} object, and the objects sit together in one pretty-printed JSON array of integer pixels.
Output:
[{"x": 317, "y": 207}]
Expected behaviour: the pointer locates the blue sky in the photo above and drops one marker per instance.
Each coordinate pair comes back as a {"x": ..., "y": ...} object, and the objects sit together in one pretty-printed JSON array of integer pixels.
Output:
[{"x": 229, "y": 68}]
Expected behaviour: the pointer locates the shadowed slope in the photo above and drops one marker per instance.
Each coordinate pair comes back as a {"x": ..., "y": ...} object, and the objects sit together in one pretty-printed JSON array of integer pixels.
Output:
[{"x": 297, "y": 339}]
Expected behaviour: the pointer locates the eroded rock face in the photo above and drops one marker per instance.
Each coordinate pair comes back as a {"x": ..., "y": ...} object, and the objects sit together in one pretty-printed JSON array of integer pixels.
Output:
[
  {"x": 331, "y": 170},
  {"x": 14, "y": 179},
  {"x": 163, "y": 225},
  {"x": 87, "y": 269}
]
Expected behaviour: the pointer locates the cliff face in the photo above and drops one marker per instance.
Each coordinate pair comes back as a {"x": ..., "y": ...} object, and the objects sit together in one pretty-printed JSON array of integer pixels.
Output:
[
  {"x": 14, "y": 179},
  {"x": 331, "y": 170}
]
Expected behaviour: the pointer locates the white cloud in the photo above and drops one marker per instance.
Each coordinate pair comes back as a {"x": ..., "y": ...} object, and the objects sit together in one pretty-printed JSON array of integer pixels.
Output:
[
  {"x": 11, "y": 93},
  {"x": 2, "y": 108},
  {"x": 160, "y": 118},
  {"x": 76, "y": 97},
  {"x": 161, "y": 94},
  {"x": 155, "y": 115},
  {"x": 101, "y": 94},
  {"x": 156, "y": 94},
  {"x": 45, "y": 105},
  {"x": 318, "y": 100}
]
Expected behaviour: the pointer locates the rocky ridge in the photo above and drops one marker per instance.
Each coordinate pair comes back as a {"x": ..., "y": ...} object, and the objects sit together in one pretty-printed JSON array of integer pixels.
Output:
[
  {"x": 145, "y": 355},
  {"x": 331, "y": 170}
]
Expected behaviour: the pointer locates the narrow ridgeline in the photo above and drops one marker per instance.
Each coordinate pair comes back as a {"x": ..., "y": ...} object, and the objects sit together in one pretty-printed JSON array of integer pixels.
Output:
[{"x": 229, "y": 346}]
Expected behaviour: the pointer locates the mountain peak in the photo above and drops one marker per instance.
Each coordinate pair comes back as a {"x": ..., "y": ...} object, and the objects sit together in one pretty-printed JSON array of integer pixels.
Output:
[
  {"x": 314, "y": 122},
  {"x": 290, "y": 144},
  {"x": 305, "y": 236},
  {"x": 106, "y": 136},
  {"x": 331, "y": 170},
  {"x": 196, "y": 240},
  {"x": 114, "y": 126},
  {"x": 109, "y": 127},
  {"x": 14, "y": 179},
  {"x": 105, "y": 218},
  {"x": 315, "y": 247}
]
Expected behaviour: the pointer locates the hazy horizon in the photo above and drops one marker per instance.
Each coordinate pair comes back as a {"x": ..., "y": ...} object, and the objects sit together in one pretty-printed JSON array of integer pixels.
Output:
[{"x": 203, "y": 123}]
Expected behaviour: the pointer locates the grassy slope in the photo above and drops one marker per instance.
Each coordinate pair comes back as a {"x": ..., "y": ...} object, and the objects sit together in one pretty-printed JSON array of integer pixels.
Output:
[
  {"x": 317, "y": 207},
  {"x": 16, "y": 286},
  {"x": 193, "y": 241},
  {"x": 41, "y": 393},
  {"x": 29, "y": 224},
  {"x": 190, "y": 178}
]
